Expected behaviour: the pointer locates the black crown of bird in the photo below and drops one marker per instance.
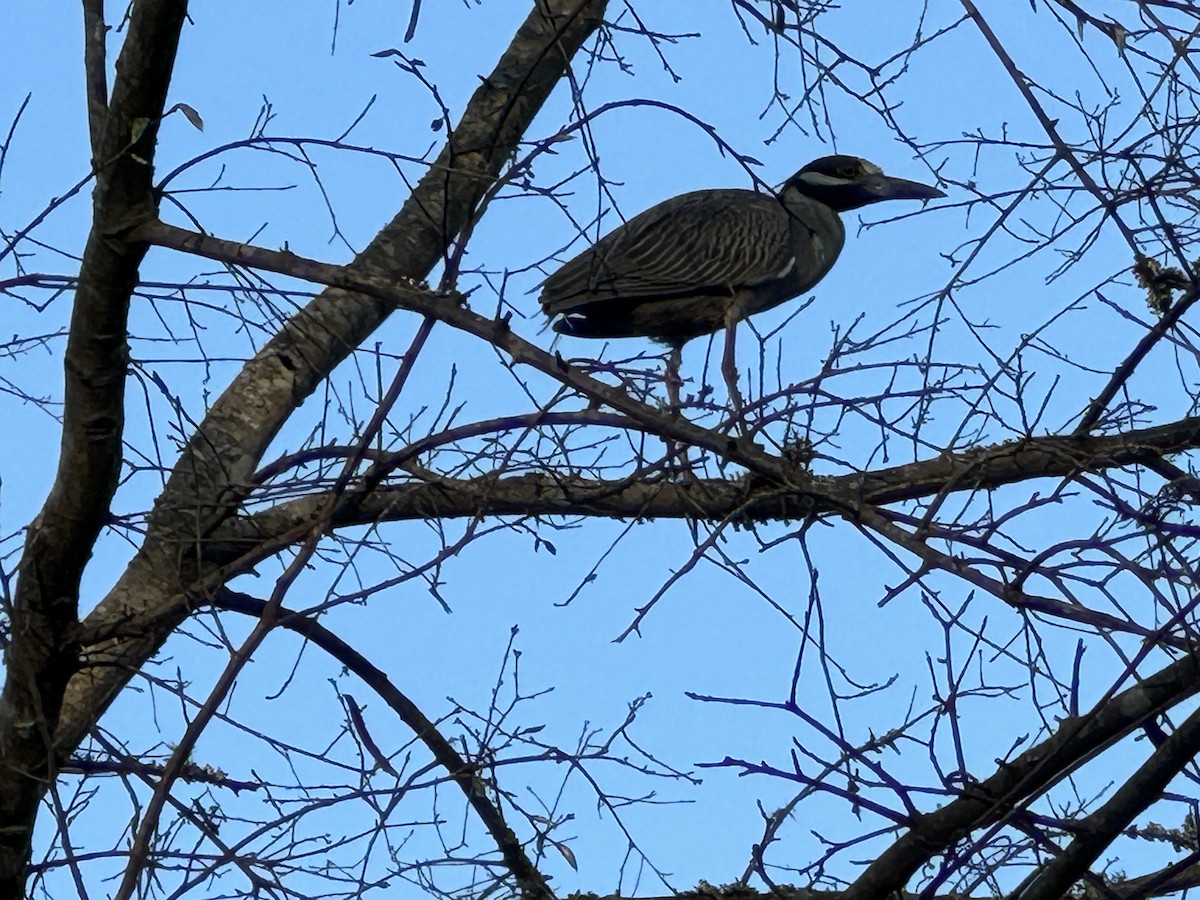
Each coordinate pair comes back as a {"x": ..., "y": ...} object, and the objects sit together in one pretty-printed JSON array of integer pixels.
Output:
[{"x": 705, "y": 260}]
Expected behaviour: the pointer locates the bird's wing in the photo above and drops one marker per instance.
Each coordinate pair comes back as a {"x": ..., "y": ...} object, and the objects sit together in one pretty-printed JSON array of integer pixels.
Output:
[{"x": 706, "y": 242}]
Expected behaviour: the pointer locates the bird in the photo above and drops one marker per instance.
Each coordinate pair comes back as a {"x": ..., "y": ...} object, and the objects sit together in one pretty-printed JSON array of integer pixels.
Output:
[{"x": 705, "y": 260}]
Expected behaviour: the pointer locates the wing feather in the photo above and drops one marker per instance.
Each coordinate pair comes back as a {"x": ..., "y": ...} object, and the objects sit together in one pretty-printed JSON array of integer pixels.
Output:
[{"x": 704, "y": 243}]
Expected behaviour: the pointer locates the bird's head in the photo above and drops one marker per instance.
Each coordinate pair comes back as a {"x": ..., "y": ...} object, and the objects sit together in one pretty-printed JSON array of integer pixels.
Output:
[{"x": 847, "y": 182}]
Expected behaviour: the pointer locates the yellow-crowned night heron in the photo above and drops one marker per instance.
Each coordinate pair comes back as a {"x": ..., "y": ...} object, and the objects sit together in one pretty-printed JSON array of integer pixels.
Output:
[{"x": 705, "y": 260}]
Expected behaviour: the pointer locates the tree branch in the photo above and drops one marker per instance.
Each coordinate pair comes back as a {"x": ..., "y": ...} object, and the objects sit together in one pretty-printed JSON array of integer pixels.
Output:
[
  {"x": 1077, "y": 740},
  {"x": 465, "y": 774},
  {"x": 206, "y": 485},
  {"x": 1096, "y": 832},
  {"x": 43, "y": 654}
]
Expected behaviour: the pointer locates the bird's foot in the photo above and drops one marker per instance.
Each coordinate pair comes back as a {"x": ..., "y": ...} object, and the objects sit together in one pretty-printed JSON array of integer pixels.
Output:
[
  {"x": 737, "y": 412},
  {"x": 680, "y": 467}
]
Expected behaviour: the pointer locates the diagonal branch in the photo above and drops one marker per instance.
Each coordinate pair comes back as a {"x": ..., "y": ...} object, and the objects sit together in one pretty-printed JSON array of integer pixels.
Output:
[
  {"x": 1096, "y": 833},
  {"x": 465, "y": 774},
  {"x": 1077, "y": 740},
  {"x": 1095, "y": 410},
  {"x": 1049, "y": 124},
  {"x": 449, "y": 309},
  {"x": 206, "y": 485}
]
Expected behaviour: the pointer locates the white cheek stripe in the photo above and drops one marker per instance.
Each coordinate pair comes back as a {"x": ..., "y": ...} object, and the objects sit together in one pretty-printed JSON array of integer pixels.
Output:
[{"x": 823, "y": 180}]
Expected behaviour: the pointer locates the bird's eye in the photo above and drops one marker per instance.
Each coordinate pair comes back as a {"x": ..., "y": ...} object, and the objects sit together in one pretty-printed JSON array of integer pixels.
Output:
[{"x": 847, "y": 172}]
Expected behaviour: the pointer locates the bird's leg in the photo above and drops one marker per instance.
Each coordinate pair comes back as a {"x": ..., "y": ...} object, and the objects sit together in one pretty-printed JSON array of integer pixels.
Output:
[
  {"x": 729, "y": 361},
  {"x": 672, "y": 379},
  {"x": 674, "y": 406}
]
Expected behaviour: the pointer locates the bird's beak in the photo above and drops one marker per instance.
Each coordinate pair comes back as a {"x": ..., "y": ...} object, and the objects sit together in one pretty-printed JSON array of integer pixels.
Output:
[{"x": 884, "y": 187}]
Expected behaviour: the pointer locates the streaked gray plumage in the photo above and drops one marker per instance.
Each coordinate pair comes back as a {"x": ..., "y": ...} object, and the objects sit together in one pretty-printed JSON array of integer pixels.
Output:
[{"x": 703, "y": 261}]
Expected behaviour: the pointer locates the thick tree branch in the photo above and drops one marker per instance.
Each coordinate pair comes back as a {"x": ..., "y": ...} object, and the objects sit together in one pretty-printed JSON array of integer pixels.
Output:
[
  {"x": 1096, "y": 832},
  {"x": 207, "y": 483},
  {"x": 244, "y": 541},
  {"x": 42, "y": 655},
  {"x": 496, "y": 332},
  {"x": 751, "y": 499},
  {"x": 1076, "y": 741},
  {"x": 95, "y": 70}
]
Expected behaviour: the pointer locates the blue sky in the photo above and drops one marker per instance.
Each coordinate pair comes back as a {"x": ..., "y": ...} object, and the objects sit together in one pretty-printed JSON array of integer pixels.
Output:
[{"x": 711, "y": 633}]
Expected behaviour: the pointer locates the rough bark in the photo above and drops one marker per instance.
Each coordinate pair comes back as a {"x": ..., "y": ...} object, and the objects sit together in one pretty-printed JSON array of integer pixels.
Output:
[
  {"x": 745, "y": 500},
  {"x": 43, "y": 656},
  {"x": 206, "y": 485}
]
